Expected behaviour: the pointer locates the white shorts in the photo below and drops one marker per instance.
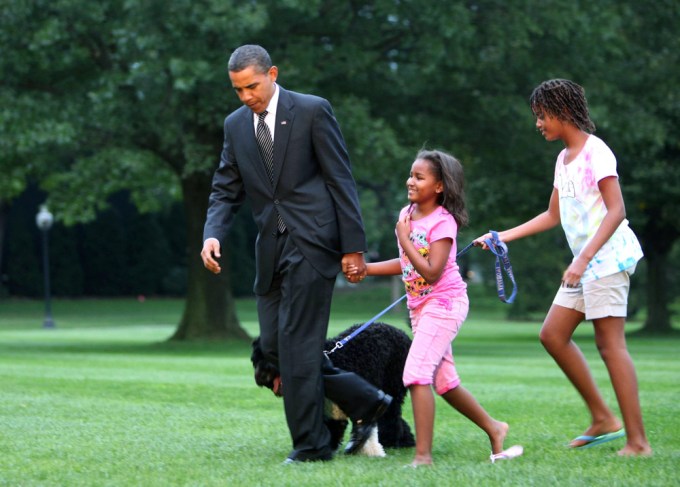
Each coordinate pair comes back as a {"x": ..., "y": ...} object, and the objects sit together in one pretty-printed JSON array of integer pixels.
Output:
[{"x": 600, "y": 298}]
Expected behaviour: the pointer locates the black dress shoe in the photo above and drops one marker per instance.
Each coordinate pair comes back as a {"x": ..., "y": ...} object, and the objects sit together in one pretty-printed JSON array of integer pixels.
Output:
[{"x": 361, "y": 430}]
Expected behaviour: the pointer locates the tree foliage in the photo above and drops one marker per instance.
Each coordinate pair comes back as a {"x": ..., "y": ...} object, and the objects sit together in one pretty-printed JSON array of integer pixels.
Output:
[{"x": 131, "y": 94}]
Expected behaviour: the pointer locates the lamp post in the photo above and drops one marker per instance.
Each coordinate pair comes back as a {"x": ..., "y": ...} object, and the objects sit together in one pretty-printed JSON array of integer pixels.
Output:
[{"x": 44, "y": 220}]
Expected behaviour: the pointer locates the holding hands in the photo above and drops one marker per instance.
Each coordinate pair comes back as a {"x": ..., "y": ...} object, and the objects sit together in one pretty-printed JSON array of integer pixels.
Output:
[
  {"x": 354, "y": 267},
  {"x": 357, "y": 271}
]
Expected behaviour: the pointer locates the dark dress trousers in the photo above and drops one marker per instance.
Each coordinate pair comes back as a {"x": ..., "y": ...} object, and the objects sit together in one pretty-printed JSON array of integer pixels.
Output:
[{"x": 315, "y": 194}]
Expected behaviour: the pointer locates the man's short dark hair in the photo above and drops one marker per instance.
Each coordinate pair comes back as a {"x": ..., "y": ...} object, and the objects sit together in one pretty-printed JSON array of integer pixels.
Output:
[{"x": 250, "y": 55}]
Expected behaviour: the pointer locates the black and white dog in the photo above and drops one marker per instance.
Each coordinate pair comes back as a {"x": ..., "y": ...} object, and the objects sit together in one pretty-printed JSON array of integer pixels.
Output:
[{"x": 377, "y": 354}]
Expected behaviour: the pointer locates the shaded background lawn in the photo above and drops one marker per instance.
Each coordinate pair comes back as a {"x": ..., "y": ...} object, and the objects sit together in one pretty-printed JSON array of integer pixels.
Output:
[{"x": 103, "y": 399}]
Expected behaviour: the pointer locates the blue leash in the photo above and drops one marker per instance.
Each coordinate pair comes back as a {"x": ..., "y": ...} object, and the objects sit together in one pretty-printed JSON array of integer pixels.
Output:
[
  {"x": 497, "y": 247},
  {"x": 342, "y": 342},
  {"x": 500, "y": 250}
]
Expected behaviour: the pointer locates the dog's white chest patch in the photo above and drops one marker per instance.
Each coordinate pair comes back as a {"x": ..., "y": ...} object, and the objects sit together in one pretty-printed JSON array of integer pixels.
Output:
[{"x": 372, "y": 447}]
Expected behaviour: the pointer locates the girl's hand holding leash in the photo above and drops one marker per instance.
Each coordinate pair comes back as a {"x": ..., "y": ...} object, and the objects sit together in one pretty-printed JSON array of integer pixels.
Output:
[
  {"x": 493, "y": 242},
  {"x": 480, "y": 241}
]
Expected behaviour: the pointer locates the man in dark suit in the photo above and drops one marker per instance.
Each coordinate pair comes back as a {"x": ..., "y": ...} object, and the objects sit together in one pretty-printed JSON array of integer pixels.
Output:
[{"x": 305, "y": 204}]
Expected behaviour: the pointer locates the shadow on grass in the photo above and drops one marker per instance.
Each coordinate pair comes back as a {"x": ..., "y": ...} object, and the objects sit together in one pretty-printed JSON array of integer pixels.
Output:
[
  {"x": 642, "y": 334},
  {"x": 478, "y": 340},
  {"x": 161, "y": 348}
]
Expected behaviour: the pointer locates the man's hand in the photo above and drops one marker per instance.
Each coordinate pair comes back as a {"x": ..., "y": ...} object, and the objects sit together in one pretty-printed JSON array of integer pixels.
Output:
[
  {"x": 210, "y": 252},
  {"x": 354, "y": 266}
]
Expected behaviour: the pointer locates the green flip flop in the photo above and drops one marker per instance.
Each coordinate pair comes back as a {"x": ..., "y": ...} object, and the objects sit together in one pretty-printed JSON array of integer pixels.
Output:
[{"x": 598, "y": 440}]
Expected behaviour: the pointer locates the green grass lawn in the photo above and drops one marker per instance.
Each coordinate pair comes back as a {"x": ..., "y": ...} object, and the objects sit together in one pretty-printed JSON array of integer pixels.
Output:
[{"x": 102, "y": 399}]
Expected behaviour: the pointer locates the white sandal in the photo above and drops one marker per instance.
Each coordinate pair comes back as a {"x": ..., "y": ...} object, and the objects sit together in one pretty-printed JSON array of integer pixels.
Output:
[{"x": 512, "y": 452}]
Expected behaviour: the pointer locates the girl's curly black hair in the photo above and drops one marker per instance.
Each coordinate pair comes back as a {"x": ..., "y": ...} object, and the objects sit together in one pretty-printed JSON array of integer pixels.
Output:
[{"x": 564, "y": 100}]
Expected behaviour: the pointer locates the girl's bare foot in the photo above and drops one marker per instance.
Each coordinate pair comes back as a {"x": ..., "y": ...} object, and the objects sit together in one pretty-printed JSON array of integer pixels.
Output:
[
  {"x": 629, "y": 450},
  {"x": 497, "y": 437},
  {"x": 420, "y": 461},
  {"x": 598, "y": 428}
]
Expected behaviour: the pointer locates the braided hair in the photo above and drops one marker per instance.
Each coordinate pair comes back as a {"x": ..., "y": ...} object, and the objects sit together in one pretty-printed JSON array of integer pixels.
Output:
[
  {"x": 564, "y": 100},
  {"x": 449, "y": 171}
]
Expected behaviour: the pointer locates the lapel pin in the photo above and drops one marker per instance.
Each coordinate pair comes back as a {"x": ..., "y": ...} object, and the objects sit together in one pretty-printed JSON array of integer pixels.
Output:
[{"x": 284, "y": 122}]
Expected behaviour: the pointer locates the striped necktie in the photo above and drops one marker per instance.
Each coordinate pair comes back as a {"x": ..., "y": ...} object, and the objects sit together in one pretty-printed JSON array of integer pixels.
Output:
[{"x": 265, "y": 144}]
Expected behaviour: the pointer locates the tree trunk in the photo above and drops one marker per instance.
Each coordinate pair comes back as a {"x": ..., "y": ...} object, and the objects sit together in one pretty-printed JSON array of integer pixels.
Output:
[
  {"x": 658, "y": 317},
  {"x": 658, "y": 241},
  {"x": 210, "y": 311},
  {"x": 4, "y": 210}
]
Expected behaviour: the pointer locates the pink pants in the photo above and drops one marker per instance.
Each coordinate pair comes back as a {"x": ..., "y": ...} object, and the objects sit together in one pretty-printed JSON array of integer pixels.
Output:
[{"x": 435, "y": 324}]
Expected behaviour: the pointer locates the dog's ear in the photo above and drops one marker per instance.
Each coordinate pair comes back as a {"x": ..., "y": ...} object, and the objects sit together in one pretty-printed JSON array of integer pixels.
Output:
[
  {"x": 265, "y": 372},
  {"x": 256, "y": 356}
]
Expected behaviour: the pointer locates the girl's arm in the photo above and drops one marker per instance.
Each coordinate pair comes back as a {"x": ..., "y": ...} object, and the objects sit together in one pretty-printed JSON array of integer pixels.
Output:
[
  {"x": 429, "y": 268},
  {"x": 616, "y": 213},
  {"x": 385, "y": 268},
  {"x": 540, "y": 223}
]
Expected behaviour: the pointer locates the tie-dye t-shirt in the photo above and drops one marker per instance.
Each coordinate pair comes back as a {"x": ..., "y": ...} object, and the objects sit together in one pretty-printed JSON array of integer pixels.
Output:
[
  {"x": 437, "y": 225},
  {"x": 582, "y": 209}
]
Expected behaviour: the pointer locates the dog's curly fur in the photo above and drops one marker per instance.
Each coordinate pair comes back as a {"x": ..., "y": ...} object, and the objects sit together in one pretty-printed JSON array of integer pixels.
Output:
[{"x": 377, "y": 354}]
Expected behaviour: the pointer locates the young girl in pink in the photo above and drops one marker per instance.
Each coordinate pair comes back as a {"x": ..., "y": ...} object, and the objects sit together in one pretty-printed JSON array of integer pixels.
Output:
[
  {"x": 586, "y": 199},
  {"x": 437, "y": 299}
]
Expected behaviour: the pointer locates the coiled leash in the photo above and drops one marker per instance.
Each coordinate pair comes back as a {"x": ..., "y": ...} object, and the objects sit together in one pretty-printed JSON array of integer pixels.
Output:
[
  {"x": 500, "y": 250},
  {"x": 496, "y": 246}
]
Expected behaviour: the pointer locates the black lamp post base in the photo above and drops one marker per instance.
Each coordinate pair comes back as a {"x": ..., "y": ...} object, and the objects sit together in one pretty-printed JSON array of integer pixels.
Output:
[{"x": 48, "y": 323}]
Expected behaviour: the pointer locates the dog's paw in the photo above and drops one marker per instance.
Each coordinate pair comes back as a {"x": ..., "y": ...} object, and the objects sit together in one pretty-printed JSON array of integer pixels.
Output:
[{"x": 372, "y": 447}]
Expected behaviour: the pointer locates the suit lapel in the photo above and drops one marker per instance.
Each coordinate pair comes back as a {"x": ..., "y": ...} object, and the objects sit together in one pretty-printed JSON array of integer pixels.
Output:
[
  {"x": 284, "y": 124},
  {"x": 247, "y": 135}
]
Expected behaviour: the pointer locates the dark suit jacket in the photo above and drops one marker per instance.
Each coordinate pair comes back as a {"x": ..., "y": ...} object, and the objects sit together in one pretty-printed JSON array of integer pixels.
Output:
[{"x": 313, "y": 186}]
